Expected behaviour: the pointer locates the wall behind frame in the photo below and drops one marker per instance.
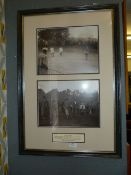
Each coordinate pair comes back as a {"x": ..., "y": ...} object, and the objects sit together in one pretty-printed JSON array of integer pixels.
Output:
[{"x": 24, "y": 164}]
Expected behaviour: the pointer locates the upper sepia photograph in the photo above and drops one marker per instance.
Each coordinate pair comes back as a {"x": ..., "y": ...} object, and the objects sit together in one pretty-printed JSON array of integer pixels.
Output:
[{"x": 67, "y": 50}]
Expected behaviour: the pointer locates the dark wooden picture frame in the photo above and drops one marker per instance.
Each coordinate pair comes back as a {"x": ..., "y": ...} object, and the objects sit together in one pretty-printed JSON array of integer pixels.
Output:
[{"x": 23, "y": 88}]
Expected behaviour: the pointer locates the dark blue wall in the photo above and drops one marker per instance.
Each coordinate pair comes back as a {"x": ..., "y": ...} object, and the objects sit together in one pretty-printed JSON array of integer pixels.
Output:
[
  {"x": 44, "y": 165},
  {"x": 128, "y": 2}
]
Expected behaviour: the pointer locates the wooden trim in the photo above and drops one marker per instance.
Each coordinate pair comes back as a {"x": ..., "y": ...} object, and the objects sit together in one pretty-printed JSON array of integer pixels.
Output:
[{"x": 125, "y": 52}]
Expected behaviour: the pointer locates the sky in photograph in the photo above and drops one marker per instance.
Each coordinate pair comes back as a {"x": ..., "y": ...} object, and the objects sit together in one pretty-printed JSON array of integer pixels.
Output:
[
  {"x": 89, "y": 86},
  {"x": 84, "y": 32}
]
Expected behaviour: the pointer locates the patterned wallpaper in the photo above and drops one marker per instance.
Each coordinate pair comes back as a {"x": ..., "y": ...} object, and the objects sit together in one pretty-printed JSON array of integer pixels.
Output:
[{"x": 3, "y": 97}]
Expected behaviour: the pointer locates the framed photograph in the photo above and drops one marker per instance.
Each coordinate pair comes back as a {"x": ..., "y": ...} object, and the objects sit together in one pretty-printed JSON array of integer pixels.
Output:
[
  {"x": 67, "y": 50},
  {"x": 69, "y": 81},
  {"x": 68, "y": 103}
]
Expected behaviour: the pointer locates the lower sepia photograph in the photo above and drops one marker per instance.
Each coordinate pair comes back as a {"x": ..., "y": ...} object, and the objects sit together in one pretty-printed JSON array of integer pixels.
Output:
[{"x": 68, "y": 103}]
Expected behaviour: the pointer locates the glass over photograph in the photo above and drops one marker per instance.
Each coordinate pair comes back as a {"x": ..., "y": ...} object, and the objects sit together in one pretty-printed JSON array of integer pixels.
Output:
[
  {"x": 68, "y": 103},
  {"x": 67, "y": 50}
]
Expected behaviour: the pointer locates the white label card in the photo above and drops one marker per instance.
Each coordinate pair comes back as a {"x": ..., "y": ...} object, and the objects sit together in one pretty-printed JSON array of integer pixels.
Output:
[{"x": 69, "y": 138}]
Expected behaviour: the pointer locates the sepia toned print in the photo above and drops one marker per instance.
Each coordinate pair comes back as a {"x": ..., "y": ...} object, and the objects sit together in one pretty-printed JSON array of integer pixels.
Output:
[
  {"x": 68, "y": 103},
  {"x": 68, "y": 50}
]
